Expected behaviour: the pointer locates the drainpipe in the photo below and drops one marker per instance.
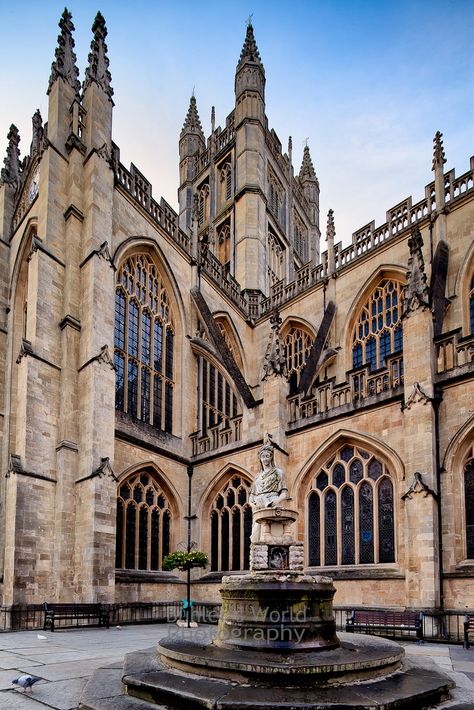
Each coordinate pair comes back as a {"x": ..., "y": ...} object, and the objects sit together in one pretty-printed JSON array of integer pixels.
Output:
[
  {"x": 189, "y": 544},
  {"x": 436, "y": 404}
]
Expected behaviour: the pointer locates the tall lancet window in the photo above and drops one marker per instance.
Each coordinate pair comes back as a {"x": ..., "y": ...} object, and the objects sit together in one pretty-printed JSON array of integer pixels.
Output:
[
  {"x": 471, "y": 307},
  {"x": 144, "y": 344},
  {"x": 231, "y": 526}
]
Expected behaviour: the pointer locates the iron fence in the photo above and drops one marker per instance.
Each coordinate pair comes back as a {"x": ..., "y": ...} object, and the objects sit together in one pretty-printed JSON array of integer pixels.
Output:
[{"x": 447, "y": 626}]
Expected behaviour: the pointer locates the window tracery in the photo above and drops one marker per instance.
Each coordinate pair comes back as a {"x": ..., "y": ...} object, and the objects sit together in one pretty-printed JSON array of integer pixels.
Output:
[
  {"x": 378, "y": 330},
  {"x": 297, "y": 343},
  {"x": 231, "y": 525},
  {"x": 276, "y": 199},
  {"x": 144, "y": 343},
  {"x": 143, "y": 534},
  {"x": 223, "y": 246},
  {"x": 469, "y": 503},
  {"x": 225, "y": 182},
  {"x": 203, "y": 204},
  {"x": 300, "y": 238},
  {"x": 350, "y": 511},
  {"x": 217, "y": 401},
  {"x": 275, "y": 259},
  {"x": 229, "y": 340},
  {"x": 471, "y": 307}
]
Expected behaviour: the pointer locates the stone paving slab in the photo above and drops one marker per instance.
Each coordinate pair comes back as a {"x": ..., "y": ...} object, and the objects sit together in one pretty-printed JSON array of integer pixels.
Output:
[
  {"x": 12, "y": 660},
  {"x": 17, "y": 700}
]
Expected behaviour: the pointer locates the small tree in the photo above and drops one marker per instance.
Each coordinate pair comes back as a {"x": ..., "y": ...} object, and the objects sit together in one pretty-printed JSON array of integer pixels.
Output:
[{"x": 185, "y": 561}]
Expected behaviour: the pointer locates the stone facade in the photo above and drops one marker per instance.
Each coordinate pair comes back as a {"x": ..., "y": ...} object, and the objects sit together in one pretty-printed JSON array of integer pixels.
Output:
[{"x": 230, "y": 324}]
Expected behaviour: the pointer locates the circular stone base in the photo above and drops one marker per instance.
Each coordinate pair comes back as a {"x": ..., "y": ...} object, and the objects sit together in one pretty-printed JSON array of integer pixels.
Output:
[
  {"x": 277, "y": 611},
  {"x": 358, "y": 658}
]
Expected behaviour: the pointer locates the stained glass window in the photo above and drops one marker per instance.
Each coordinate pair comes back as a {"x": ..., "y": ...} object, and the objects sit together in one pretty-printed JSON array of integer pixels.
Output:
[
  {"x": 231, "y": 526},
  {"x": 378, "y": 332},
  {"x": 143, "y": 524},
  {"x": 143, "y": 337},
  {"x": 345, "y": 511},
  {"x": 469, "y": 506}
]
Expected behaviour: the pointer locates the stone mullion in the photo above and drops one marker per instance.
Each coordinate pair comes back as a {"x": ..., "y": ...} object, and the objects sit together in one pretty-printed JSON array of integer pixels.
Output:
[
  {"x": 376, "y": 518},
  {"x": 356, "y": 523}
]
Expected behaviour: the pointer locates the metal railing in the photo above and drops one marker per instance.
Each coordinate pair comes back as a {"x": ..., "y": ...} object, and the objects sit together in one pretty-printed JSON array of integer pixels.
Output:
[{"x": 439, "y": 627}]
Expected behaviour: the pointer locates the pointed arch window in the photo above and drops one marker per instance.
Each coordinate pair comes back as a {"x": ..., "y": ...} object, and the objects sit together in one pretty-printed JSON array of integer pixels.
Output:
[
  {"x": 378, "y": 332},
  {"x": 217, "y": 401},
  {"x": 351, "y": 511},
  {"x": 203, "y": 204},
  {"x": 231, "y": 526},
  {"x": 144, "y": 344},
  {"x": 143, "y": 534},
  {"x": 223, "y": 246},
  {"x": 225, "y": 183},
  {"x": 297, "y": 342},
  {"x": 469, "y": 505},
  {"x": 471, "y": 307},
  {"x": 275, "y": 258}
]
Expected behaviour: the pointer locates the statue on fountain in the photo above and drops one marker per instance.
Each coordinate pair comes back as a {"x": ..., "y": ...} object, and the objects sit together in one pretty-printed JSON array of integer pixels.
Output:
[{"x": 269, "y": 488}]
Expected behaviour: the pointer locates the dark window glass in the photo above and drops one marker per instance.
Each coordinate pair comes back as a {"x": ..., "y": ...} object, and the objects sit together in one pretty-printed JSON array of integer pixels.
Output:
[
  {"x": 330, "y": 532},
  {"x": 145, "y": 396},
  {"x": 347, "y": 453},
  {"x": 214, "y": 541},
  {"x": 375, "y": 469},
  {"x": 166, "y": 533},
  {"x": 384, "y": 347},
  {"x": 357, "y": 355},
  {"x": 469, "y": 505},
  {"x": 169, "y": 354},
  {"x": 348, "y": 547},
  {"x": 314, "y": 534},
  {"x": 386, "y": 527},
  {"x": 322, "y": 481},
  {"x": 143, "y": 539},
  {"x": 119, "y": 329},
  {"x": 398, "y": 339},
  {"x": 155, "y": 540},
  {"x": 338, "y": 475},
  {"x": 247, "y": 533},
  {"x": 236, "y": 523},
  {"x": 366, "y": 524},
  {"x": 119, "y": 362},
  {"x": 158, "y": 345},
  {"x": 146, "y": 338},
  {"x": 371, "y": 353},
  {"x": 133, "y": 329},
  {"x": 168, "y": 408},
  {"x": 130, "y": 537},
  {"x": 132, "y": 388},
  {"x": 356, "y": 471},
  {"x": 157, "y": 401},
  {"x": 225, "y": 540},
  {"x": 119, "y": 535}
]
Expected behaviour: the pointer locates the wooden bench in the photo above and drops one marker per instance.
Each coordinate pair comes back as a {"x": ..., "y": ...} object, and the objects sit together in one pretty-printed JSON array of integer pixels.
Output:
[
  {"x": 370, "y": 622},
  {"x": 75, "y": 615},
  {"x": 468, "y": 629}
]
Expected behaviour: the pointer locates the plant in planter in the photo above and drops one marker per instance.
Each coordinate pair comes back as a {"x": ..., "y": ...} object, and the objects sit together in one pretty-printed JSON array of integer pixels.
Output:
[{"x": 185, "y": 560}]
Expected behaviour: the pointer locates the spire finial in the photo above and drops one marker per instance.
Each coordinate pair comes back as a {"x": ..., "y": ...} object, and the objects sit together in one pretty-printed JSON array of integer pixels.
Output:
[
  {"x": 330, "y": 228},
  {"x": 64, "y": 65},
  {"x": 38, "y": 132},
  {"x": 249, "y": 20},
  {"x": 439, "y": 157},
  {"x": 98, "y": 69},
  {"x": 250, "y": 51},
  {"x": 192, "y": 122},
  {"x": 307, "y": 168},
  {"x": 11, "y": 173}
]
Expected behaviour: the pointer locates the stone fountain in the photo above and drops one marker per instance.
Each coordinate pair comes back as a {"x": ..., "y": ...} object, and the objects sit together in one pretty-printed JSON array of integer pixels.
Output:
[{"x": 276, "y": 644}]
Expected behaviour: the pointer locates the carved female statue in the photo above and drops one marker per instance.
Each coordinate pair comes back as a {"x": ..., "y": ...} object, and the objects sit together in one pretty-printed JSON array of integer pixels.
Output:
[{"x": 269, "y": 488}]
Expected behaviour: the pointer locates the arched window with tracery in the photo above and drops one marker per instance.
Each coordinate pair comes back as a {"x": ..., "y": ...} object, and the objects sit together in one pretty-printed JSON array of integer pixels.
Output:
[
  {"x": 217, "y": 400},
  {"x": 350, "y": 511},
  {"x": 471, "y": 307},
  {"x": 469, "y": 503},
  {"x": 378, "y": 333},
  {"x": 231, "y": 526},
  {"x": 144, "y": 343},
  {"x": 203, "y": 204},
  {"x": 230, "y": 340},
  {"x": 297, "y": 342},
  {"x": 223, "y": 246},
  {"x": 275, "y": 258},
  {"x": 225, "y": 183},
  {"x": 143, "y": 534}
]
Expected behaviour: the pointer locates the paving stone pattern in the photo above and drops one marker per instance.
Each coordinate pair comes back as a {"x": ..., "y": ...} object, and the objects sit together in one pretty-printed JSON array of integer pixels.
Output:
[{"x": 67, "y": 659}]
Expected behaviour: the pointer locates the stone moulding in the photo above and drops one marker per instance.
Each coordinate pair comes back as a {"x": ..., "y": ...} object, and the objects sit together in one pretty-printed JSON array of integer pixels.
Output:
[
  {"x": 102, "y": 357},
  {"x": 419, "y": 486},
  {"x": 15, "y": 466},
  {"x": 417, "y": 395}
]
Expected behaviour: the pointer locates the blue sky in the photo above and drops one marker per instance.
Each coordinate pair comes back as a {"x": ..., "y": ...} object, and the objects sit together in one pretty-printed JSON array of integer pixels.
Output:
[{"x": 368, "y": 83}]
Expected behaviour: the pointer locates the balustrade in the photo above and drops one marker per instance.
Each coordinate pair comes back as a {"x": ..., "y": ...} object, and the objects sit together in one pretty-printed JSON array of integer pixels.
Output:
[
  {"x": 228, "y": 432},
  {"x": 453, "y": 351}
]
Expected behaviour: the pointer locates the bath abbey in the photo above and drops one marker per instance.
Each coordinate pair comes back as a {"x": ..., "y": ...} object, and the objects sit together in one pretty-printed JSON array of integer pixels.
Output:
[{"x": 146, "y": 355}]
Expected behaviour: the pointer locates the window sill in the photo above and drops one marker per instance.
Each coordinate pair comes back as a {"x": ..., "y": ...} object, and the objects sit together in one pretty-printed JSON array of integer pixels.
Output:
[
  {"x": 383, "y": 571},
  {"x": 133, "y": 576}
]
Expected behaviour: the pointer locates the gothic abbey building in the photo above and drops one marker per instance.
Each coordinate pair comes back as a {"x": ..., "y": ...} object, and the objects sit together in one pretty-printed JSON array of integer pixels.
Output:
[{"x": 145, "y": 355}]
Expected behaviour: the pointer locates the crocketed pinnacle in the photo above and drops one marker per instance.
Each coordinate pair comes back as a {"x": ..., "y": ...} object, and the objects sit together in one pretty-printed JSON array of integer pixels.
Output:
[
  {"x": 438, "y": 152},
  {"x": 192, "y": 122},
  {"x": 250, "y": 51},
  {"x": 38, "y": 133},
  {"x": 11, "y": 173},
  {"x": 64, "y": 65},
  {"x": 98, "y": 69},
  {"x": 330, "y": 228},
  {"x": 307, "y": 168}
]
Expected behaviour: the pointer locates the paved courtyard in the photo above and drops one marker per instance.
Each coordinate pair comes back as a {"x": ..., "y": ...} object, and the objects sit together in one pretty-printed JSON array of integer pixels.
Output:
[{"x": 66, "y": 659}]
